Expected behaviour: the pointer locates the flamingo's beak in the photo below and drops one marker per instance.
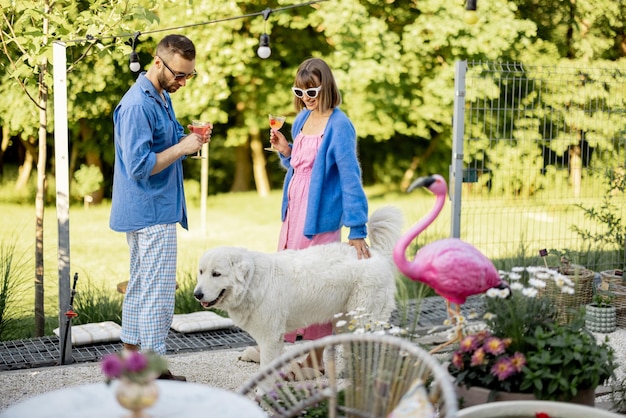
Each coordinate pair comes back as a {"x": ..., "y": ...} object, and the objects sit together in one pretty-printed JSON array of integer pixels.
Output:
[{"x": 421, "y": 182}]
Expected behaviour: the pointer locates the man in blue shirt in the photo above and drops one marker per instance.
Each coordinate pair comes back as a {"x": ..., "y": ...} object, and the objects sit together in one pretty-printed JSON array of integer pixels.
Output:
[{"x": 148, "y": 197}]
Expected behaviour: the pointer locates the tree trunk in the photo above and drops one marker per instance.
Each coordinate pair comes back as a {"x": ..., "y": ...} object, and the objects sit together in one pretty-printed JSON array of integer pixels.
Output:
[
  {"x": 3, "y": 148},
  {"x": 576, "y": 167},
  {"x": 409, "y": 174},
  {"x": 27, "y": 166},
  {"x": 259, "y": 165},
  {"x": 243, "y": 169},
  {"x": 40, "y": 317}
]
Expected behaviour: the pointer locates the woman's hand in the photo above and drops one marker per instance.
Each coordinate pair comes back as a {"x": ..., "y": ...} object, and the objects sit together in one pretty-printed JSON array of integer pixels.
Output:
[
  {"x": 362, "y": 249},
  {"x": 279, "y": 142}
]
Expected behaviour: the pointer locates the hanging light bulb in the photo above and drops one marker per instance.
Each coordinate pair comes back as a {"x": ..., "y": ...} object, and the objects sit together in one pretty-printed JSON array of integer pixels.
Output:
[
  {"x": 134, "y": 63},
  {"x": 471, "y": 16},
  {"x": 264, "y": 50}
]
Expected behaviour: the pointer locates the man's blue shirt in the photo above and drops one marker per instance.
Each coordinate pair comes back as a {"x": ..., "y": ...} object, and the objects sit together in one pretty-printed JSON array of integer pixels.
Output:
[{"x": 144, "y": 126}]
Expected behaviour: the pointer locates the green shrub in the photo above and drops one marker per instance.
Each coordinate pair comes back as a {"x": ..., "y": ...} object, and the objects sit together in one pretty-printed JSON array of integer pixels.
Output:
[
  {"x": 96, "y": 304},
  {"x": 12, "y": 279}
]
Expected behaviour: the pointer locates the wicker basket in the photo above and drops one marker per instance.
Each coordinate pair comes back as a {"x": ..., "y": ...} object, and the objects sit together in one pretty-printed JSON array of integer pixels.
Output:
[
  {"x": 613, "y": 284},
  {"x": 569, "y": 305}
]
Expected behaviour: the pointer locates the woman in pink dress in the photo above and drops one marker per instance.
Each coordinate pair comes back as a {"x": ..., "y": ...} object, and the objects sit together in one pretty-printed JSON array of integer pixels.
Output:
[{"x": 323, "y": 189}]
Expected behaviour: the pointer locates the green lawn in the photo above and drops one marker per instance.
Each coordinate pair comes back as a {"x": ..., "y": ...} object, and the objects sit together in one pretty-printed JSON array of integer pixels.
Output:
[{"x": 100, "y": 255}]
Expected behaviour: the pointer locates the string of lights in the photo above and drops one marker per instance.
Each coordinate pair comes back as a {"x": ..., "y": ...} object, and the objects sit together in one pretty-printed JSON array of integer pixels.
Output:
[{"x": 263, "y": 51}]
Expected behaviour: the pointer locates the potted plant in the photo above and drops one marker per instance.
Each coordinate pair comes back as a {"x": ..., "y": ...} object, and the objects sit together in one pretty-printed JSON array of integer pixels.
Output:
[
  {"x": 526, "y": 351},
  {"x": 136, "y": 373},
  {"x": 601, "y": 315}
]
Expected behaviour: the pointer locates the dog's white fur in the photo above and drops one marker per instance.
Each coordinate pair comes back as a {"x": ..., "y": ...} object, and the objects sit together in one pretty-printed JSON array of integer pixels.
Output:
[{"x": 268, "y": 295}]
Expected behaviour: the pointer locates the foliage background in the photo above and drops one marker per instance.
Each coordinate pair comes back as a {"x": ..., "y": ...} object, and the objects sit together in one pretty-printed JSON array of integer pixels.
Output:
[{"x": 394, "y": 62}]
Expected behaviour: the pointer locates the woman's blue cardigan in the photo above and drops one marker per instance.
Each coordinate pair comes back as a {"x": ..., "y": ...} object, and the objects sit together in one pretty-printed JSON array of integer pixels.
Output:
[{"x": 336, "y": 195}]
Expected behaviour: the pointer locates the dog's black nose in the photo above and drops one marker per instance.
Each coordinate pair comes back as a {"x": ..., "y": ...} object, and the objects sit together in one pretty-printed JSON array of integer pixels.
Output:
[{"x": 198, "y": 295}]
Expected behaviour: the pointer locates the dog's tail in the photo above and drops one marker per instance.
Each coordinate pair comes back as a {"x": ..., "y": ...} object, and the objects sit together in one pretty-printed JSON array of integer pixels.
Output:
[{"x": 385, "y": 228}]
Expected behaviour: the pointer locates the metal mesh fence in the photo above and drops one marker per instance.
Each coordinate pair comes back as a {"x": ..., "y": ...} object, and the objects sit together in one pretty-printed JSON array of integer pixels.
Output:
[{"x": 543, "y": 152}]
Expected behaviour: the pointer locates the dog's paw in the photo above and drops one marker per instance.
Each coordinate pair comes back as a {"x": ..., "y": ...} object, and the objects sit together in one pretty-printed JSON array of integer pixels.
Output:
[
  {"x": 297, "y": 373},
  {"x": 251, "y": 354}
]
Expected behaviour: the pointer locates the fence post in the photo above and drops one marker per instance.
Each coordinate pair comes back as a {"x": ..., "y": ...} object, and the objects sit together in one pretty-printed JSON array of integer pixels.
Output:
[
  {"x": 456, "y": 167},
  {"x": 63, "y": 195}
]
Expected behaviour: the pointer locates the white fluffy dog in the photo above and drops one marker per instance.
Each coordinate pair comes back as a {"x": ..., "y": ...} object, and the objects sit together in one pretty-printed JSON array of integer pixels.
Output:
[{"x": 268, "y": 295}]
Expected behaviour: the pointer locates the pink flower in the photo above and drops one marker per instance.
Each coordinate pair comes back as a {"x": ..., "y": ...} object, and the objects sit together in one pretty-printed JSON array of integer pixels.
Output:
[
  {"x": 494, "y": 346},
  {"x": 469, "y": 343},
  {"x": 503, "y": 368},
  {"x": 457, "y": 360},
  {"x": 518, "y": 360},
  {"x": 478, "y": 358},
  {"x": 136, "y": 361},
  {"x": 112, "y": 366}
]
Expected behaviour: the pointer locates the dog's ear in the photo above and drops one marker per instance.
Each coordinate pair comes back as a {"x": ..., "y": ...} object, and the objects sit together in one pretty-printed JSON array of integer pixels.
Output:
[{"x": 242, "y": 264}]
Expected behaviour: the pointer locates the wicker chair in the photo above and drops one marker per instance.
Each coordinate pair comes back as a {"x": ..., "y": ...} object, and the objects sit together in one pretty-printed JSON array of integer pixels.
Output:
[{"x": 366, "y": 376}]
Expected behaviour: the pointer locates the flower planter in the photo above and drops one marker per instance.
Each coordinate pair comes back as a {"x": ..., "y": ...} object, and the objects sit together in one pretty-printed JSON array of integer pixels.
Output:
[
  {"x": 529, "y": 409},
  {"x": 478, "y": 395},
  {"x": 570, "y": 304},
  {"x": 600, "y": 319}
]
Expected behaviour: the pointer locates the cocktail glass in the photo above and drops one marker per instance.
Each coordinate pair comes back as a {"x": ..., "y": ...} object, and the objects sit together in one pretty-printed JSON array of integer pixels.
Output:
[
  {"x": 276, "y": 122},
  {"x": 201, "y": 128}
]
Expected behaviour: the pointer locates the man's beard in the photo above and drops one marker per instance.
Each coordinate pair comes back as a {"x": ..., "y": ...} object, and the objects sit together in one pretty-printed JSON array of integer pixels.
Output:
[{"x": 167, "y": 86}]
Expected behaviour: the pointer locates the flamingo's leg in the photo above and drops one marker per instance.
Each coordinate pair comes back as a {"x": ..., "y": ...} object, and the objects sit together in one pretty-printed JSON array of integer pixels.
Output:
[{"x": 454, "y": 315}]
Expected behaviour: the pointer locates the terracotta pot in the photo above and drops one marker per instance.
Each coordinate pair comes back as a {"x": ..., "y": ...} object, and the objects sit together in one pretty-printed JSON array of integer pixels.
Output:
[
  {"x": 530, "y": 408},
  {"x": 478, "y": 395}
]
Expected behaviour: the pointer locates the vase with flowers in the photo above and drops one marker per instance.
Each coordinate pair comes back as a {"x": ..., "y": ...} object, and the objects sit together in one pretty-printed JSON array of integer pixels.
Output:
[
  {"x": 525, "y": 350},
  {"x": 136, "y": 373}
]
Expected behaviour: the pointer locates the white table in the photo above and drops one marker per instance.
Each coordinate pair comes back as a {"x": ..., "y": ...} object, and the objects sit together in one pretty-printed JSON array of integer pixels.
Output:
[{"x": 176, "y": 399}]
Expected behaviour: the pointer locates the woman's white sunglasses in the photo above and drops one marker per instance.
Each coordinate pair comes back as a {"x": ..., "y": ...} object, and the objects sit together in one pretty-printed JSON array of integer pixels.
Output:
[{"x": 312, "y": 92}]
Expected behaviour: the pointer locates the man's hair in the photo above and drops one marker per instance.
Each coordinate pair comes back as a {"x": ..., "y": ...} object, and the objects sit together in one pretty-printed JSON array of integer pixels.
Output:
[{"x": 176, "y": 44}]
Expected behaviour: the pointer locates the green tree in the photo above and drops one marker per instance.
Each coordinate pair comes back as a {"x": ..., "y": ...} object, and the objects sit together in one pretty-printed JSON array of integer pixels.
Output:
[{"x": 26, "y": 36}]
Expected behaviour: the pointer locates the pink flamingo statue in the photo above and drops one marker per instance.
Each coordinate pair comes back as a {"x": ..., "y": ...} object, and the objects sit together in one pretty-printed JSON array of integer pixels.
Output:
[{"x": 453, "y": 268}]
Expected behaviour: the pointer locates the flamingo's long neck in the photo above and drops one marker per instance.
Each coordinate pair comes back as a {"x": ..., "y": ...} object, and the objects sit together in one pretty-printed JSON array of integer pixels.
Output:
[{"x": 399, "y": 251}]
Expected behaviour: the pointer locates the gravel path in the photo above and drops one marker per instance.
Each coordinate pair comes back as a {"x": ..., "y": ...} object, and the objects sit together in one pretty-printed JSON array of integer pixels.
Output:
[
  {"x": 215, "y": 368},
  {"x": 220, "y": 369}
]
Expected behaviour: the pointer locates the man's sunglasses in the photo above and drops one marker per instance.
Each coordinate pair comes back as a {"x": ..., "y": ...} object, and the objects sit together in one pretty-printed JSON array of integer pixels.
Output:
[
  {"x": 179, "y": 76},
  {"x": 312, "y": 92}
]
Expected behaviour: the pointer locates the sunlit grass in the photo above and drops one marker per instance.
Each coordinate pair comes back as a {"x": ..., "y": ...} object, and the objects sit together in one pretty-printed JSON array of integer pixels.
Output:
[{"x": 100, "y": 255}]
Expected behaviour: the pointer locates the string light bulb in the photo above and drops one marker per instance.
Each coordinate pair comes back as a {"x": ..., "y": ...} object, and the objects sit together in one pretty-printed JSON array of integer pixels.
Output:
[
  {"x": 264, "y": 50},
  {"x": 471, "y": 16},
  {"x": 134, "y": 63}
]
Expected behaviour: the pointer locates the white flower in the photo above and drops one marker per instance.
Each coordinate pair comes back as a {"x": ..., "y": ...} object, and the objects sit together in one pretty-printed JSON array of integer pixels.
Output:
[
  {"x": 515, "y": 276},
  {"x": 517, "y": 286},
  {"x": 536, "y": 283},
  {"x": 487, "y": 316},
  {"x": 341, "y": 323},
  {"x": 518, "y": 269},
  {"x": 567, "y": 289},
  {"x": 530, "y": 292}
]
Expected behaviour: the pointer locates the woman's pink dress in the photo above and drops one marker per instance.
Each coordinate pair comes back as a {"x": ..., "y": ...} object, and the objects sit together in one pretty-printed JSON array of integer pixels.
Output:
[{"x": 292, "y": 232}]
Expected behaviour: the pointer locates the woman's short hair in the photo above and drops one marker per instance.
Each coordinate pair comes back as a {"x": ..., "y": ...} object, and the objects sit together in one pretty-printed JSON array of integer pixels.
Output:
[{"x": 311, "y": 73}]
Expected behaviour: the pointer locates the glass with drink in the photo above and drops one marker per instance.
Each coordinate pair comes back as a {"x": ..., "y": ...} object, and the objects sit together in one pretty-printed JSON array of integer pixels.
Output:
[
  {"x": 276, "y": 122},
  {"x": 201, "y": 128}
]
